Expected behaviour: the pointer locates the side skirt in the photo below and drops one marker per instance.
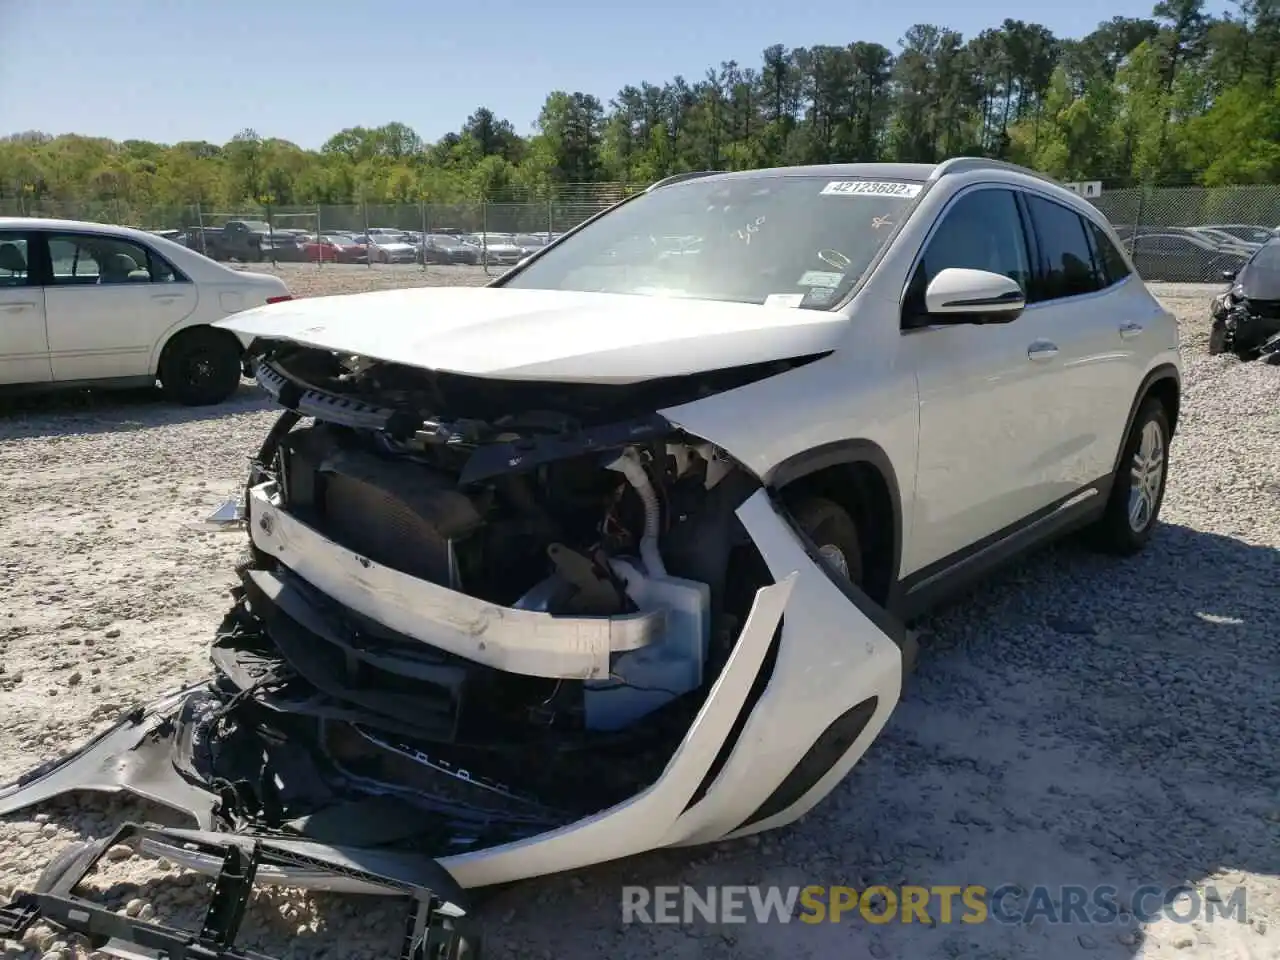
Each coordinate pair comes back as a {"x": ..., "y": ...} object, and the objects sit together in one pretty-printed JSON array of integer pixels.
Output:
[
  {"x": 57, "y": 386},
  {"x": 943, "y": 580}
]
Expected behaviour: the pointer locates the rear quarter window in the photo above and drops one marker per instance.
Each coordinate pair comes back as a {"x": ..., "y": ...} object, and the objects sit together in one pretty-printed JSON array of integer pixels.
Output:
[{"x": 1109, "y": 257}]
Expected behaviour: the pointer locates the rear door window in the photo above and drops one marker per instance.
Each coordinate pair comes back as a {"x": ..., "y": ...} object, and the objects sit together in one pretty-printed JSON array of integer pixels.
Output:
[
  {"x": 1066, "y": 267},
  {"x": 15, "y": 257},
  {"x": 100, "y": 259},
  {"x": 1107, "y": 255}
]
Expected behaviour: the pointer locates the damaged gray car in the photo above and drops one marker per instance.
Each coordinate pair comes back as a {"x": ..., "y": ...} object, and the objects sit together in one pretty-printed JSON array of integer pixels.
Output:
[{"x": 1246, "y": 318}]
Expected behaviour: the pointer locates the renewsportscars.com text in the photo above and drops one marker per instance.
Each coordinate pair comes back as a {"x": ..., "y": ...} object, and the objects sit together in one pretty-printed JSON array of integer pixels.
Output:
[{"x": 971, "y": 904}]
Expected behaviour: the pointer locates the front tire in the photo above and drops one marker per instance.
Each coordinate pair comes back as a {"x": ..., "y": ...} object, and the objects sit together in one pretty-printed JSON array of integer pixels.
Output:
[
  {"x": 200, "y": 367},
  {"x": 834, "y": 533},
  {"x": 1137, "y": 489}
]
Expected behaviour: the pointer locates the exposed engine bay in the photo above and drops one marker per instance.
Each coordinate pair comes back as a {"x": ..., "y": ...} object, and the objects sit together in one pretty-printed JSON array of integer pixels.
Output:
[
  {"x": 509, "y": 724},
  {"x": 575, "y": 514},
  {"x": 506, "y": 621},
  {"x": 1250, "y": 330}
]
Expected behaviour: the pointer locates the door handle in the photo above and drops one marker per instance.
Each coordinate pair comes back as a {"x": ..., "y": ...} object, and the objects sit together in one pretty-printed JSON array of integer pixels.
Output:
[
  {"x": 164, "y": 297},
  {"x": 1042, "y": 350},
  {"x": 18, "y": 307},
  {"x": 1130, "y": 330}
]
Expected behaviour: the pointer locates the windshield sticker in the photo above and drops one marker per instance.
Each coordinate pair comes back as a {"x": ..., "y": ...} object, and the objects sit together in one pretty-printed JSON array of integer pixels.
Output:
[
  {"x": 783, "y": 299},
  {"x": 870, "y": 188},
  {"x": 820, "y": 278}
]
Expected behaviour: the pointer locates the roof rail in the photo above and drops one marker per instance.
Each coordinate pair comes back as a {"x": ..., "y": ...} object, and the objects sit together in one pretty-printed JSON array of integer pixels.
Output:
[
  {"x": 681, "y": 177},
  {"x": 965, "y": 164}
]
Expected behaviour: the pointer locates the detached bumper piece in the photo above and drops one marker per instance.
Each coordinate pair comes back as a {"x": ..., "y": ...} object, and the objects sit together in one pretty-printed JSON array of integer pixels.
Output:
[
  {"x": 1270, "y": 351},
  {"x": 433, "y": 930}
]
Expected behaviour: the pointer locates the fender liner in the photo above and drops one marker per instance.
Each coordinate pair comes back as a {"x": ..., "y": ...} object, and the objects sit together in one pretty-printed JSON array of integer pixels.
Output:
[
  {"x": 1165, "y": 371},
  {"x": 849, "y": 453}
]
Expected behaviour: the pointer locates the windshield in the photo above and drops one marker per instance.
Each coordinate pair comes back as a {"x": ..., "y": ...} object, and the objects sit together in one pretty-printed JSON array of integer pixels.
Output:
[{"x": 799, "y": 241}]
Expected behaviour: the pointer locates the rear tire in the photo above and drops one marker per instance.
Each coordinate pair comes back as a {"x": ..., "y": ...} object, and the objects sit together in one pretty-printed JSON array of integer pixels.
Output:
[
  {"x": 200, "y": 367},
  {"x": 1137, "y": 489}
]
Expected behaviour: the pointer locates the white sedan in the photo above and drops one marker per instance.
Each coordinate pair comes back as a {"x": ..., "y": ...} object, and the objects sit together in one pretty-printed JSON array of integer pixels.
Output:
[{"x": 88, "y": 304}]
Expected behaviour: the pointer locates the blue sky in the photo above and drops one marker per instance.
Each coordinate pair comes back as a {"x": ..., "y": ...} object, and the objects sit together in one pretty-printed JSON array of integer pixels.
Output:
[{"x": 171, "y": 70}]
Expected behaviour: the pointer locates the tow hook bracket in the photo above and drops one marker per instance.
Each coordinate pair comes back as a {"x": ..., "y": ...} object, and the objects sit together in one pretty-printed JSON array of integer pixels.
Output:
[{"x": 429, "y": 933}]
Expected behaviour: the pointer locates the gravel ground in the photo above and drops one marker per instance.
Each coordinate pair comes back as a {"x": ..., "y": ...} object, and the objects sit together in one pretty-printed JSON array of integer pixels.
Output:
[{"x": 1078, "y": 721}]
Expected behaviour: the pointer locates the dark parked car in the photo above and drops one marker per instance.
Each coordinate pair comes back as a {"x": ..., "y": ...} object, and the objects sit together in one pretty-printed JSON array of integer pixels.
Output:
[
  {"x": 1182, "y": 257},
  {"x": 257, "y": 239},
  {"x": 246, "y": 241},
  {"x": 443, "y": 248}
]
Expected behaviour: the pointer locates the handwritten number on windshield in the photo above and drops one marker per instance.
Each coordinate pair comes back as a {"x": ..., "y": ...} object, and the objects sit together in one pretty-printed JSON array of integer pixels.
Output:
[{"x": 751, "y": 228}]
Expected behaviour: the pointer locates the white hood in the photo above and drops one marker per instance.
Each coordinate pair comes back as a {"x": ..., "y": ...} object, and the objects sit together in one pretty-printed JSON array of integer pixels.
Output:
[{"x": 545, "y": 334}]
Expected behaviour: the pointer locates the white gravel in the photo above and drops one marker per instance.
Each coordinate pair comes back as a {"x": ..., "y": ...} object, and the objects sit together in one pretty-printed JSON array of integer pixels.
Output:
[{"x": 1079, "y": 721}]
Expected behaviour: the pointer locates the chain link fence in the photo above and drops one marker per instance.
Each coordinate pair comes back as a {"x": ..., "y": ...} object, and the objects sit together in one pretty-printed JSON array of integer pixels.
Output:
[
  {"x": 1188, "y": 234},
  {"x": 286, "y": 233},
  {"x": 1192, "y": 234}
]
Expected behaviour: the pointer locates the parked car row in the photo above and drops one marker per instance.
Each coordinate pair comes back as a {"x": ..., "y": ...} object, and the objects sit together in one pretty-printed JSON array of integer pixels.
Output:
[
  {"x": 1193, "y": 254},
  {"x": 254, "y": 241},
  {"x": 1187, "y": 254}
]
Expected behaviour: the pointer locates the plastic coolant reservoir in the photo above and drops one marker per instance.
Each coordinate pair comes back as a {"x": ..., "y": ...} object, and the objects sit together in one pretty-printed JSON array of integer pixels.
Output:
[{"x": 645, "y": 679}]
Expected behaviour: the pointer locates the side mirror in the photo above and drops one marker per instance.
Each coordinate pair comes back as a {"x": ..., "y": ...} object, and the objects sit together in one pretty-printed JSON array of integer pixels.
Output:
[
  {"x": 1229, "y": 276},
  {"x": 959, "y": 295}
]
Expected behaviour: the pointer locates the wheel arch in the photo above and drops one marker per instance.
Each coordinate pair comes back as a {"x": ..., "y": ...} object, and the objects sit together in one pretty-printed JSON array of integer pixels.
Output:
[
  {"x": 176, "y": 336},
  {"x": 1163, "y": 383},
  {"x": 858, "y": 476}
]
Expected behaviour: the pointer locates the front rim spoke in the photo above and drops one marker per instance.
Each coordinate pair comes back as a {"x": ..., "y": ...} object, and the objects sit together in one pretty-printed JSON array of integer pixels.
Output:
[{"x": 1136, "y": 508}]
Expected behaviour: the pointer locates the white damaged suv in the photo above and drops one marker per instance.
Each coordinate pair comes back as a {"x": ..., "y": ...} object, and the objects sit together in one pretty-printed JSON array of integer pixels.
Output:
[{"x": 617, "y": 553}]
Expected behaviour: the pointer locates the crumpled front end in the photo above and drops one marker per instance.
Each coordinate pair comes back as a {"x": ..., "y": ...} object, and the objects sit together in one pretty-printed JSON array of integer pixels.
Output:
[
  {"x": 1249, "y": 327},
  {"x": 552, "y": 633}
]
